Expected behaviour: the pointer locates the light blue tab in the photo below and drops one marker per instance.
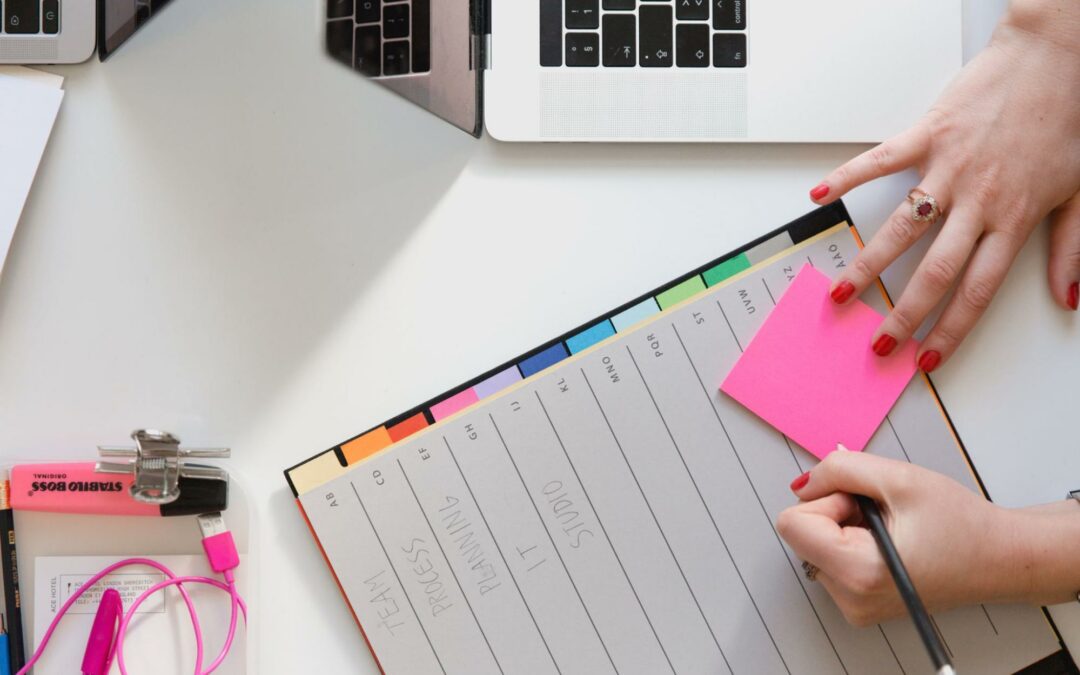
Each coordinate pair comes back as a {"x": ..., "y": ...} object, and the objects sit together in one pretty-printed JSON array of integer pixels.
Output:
[
  {"x": 590, "y": 336},
  {"x": 636, "y": 314}
]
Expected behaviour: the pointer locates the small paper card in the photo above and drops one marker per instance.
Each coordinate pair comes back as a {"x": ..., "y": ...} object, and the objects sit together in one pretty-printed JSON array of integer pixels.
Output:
[{"x": 810, "y": 372}]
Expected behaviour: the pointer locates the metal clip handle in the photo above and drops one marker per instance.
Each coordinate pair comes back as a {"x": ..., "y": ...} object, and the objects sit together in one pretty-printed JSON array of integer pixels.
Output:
[{"x": 158, "y": 461}]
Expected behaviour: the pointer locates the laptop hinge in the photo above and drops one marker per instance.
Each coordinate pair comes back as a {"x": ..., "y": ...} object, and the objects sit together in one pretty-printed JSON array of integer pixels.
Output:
[
  {"x": 481, "y": 49},
  {"x": 481, "y": 34}
]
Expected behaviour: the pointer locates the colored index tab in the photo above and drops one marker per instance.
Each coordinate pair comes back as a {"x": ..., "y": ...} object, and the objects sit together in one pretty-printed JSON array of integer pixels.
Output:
[
  {"x": 810, "y": 371},
  {"x": 683, "y": 291},
  {"x": 636, "y": 314},
  {"x": 726, "y": 269},
  {"x": 545, "y": 359},
  {"x": 408, "y": 427},
  {"x": 497, "y": 382},
  {"x": 455, "y": 403},
  {"x": 590, "y": 336},
  {"x": 364, "y": 446}
]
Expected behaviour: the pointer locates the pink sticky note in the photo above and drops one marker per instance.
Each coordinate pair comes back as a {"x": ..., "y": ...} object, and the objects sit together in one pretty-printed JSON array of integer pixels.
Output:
[{"x": 810, "y": 371}]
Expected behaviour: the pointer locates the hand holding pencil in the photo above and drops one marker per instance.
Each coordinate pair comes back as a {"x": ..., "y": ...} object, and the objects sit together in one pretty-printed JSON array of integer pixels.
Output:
[{"x": 952, "y": 541}]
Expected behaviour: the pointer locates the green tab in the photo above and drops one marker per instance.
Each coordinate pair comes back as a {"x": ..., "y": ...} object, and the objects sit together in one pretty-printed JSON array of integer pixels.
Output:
[
  {"x": 686, "y": 289},
  {"x": 727, "y": 269}
]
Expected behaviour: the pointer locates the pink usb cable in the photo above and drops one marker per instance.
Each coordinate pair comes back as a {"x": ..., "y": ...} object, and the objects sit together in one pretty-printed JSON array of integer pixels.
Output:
[{"x": 220, "y": 552}]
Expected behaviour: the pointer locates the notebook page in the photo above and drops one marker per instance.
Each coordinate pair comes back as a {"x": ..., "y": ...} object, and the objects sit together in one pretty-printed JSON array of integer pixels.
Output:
[{"x": 614, "y": 514}]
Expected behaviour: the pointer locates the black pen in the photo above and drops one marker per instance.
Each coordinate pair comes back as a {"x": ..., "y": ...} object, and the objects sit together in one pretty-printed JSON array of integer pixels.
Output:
[
  {"x": 934, "y": 646},
  {"x": 10, "y": 563}
]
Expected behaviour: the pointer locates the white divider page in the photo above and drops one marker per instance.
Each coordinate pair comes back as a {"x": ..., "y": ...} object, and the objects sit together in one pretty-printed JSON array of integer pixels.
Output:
[{"x": 615, "y": 513}]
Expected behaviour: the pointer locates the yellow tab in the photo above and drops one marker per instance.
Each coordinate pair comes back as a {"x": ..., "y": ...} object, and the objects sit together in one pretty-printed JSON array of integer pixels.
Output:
[{"x": 315, "y": 472}]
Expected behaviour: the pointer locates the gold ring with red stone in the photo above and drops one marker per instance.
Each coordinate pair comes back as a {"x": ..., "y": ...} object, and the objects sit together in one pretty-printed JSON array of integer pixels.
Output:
[{"x": 924, "y": 208}]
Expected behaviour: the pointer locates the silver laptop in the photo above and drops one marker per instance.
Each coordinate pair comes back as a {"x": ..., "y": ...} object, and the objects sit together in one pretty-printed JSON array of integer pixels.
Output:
[
  {"x": 67, "y": 31},
  {"x": 657, "y": 70}
]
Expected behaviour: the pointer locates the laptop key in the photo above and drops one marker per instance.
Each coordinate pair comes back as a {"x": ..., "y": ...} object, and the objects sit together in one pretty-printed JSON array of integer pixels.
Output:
[
  {"x": 369, "y": 50},
  {"x": 339, "y": 35},
  {"x": 729, "y": 14},
  {"x": 395, "y": 21},
  {"x": 396, "y": 58},
  {"x": 620, "y": 40},
  {"x": 692, "y": 45},
  {"x": 421, "y": 36},
  {"x": 367, "y": 11},
  {"x": 692, "y": 10},
  {"x": 21, "y": 17},
  {"x": 582, "y": 49},
  {"x": 729, "y": 50},
  {"x": 655, "y": 37},
  {"x": 551, "y": 28},
  {"x": 620, "y": 5},
  {"x": 338, "y": 9},
  {"x": 582, "y": 14},
  {"x": 50, "y": 17}
]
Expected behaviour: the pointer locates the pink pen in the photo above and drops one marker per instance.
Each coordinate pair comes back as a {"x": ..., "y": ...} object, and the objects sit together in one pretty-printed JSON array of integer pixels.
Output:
[{"x": 100, "y": 648}]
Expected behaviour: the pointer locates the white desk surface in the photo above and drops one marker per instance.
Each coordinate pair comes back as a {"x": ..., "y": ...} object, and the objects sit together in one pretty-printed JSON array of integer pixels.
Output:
[{"x": 233, "y": 239}]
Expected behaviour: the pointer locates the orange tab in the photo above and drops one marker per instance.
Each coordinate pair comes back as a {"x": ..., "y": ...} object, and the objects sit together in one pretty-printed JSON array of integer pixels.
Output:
[{"x": 366, "y": 445}]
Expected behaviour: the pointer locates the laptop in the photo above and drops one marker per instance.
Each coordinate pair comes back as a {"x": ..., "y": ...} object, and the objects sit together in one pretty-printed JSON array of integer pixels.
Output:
[
  {"x": 657, "y": 70},
  {"x": 67, "y": 31}
]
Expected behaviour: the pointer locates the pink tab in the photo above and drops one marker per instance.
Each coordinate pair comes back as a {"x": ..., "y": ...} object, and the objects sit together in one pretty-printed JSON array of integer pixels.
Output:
[{"x": 449, "y": 406}]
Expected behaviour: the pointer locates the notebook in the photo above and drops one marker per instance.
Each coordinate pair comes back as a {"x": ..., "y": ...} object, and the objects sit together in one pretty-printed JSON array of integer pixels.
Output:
[
  {"x": 599, "y": 506},
  {"x": 29, "y": 102}
]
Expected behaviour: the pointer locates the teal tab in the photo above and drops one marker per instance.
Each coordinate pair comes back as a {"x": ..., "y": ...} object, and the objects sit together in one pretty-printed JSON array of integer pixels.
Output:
[
  {"x": 726, "y": 269},
  {"x": 590, "y": 336}
]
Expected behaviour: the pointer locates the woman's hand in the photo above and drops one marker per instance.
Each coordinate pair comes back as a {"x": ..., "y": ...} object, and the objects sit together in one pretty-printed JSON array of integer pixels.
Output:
[
  {"x": 999, "y": 151},
  {"x": 957, "y": 546}
]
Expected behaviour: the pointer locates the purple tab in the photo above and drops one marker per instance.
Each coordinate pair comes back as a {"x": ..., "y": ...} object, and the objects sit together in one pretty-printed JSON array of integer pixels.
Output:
[{"x": 497, "y": 383}]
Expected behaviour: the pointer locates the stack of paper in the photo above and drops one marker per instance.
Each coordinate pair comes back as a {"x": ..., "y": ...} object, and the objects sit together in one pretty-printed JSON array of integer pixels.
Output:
[{"x": 29, "y": 101}]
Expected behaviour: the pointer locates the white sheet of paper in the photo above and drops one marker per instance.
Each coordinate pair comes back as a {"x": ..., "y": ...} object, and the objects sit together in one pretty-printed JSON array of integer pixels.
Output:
[
  {"x": 29, "y": 102},
  {"x": 159, "y": 640}
]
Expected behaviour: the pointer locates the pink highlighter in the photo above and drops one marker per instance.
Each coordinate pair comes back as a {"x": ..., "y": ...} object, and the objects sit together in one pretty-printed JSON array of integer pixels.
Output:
[{"x": 77, "y": 487}]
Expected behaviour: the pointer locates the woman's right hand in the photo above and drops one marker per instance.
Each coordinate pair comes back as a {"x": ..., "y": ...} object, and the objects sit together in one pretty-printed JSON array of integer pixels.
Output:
[{"x": 959, "y": 548}]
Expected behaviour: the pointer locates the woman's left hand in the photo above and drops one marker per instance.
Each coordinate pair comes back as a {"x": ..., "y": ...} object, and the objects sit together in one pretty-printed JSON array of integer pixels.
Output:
[{"x": 998, "y": 151}]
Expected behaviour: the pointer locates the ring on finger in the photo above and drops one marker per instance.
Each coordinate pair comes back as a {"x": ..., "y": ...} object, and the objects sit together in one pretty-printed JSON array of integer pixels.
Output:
[
  {"x": 924, "y": 208},
  {"x": 810, "y": 570}
]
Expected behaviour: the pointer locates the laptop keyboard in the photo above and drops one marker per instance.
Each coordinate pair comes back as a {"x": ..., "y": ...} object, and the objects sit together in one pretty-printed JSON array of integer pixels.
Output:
[
  {"x": 30, "y": 17},
  {"x": 380, "y": 38},
  {"x": 644, "y": 33}
]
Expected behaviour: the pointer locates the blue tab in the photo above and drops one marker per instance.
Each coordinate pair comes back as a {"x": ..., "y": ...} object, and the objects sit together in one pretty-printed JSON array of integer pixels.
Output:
[{"x": 545, "y": 359}]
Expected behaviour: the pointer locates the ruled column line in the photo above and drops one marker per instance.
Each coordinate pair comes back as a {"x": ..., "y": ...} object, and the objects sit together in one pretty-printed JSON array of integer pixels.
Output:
[
  {"x": 449, "y": 565},
  {"x": 498, "y": 548},
  {"x": 558, "y": 553},
  {"x": 393, "y": 569}
]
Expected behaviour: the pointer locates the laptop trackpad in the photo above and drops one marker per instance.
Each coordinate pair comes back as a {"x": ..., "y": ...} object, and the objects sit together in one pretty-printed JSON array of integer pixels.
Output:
[{"x": 643, "y": 105}]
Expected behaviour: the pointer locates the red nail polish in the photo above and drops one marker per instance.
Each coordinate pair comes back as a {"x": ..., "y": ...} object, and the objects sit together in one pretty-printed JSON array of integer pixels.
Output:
[
  {"x": 820, "y": 192},
  {"x": 800, "y": 482},
  {"x": 884, "y": 345},
  {"x": 929, "y": 361},
  {"x": 1074, "y": 296},
  {"x": 843, "y": 292}
]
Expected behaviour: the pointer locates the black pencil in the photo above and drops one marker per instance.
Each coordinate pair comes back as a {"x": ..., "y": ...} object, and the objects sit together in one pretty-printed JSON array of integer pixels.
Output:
[
  {"x": 934, "y": 646},
  {"x": 10, "y": 563}
]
